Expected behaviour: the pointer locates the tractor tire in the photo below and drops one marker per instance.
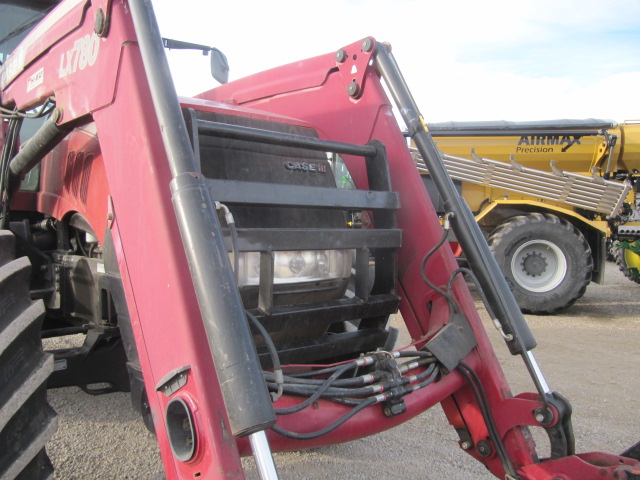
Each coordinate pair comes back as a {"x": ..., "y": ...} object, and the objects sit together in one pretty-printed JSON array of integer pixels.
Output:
[
  {"x": 27, "y": 421},
  {"x": 628, "y": 263},
  {"x": 547, "y": 262}
]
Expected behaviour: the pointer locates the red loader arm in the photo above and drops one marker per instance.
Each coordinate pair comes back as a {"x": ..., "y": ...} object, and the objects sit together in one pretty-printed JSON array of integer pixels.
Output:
[{"x": 343, "y": 96}]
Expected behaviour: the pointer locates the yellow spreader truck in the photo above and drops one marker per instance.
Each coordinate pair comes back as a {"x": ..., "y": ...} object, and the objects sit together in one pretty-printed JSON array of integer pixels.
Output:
[{"x": 553, "y": 197}]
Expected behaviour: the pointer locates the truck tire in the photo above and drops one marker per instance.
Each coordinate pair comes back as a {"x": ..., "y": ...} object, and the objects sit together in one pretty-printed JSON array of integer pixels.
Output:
[
  {"x": 27, "y": 421},
  {"x": 547, "y": 262},
  {"x": 628, "y": 262}
]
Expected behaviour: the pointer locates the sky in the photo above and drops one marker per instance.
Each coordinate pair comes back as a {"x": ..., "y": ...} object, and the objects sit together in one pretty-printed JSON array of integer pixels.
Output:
[{"x": 463, "y": 60}]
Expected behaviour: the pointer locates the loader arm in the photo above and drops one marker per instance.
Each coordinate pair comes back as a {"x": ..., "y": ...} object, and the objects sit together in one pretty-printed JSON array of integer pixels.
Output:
[
  {"x": 353, "y": 107},
  {"x": 101, "y": 80}
]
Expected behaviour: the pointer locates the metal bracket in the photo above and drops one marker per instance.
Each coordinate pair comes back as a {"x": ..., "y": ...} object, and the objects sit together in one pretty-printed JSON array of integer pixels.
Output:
[
  {"x": 555, "y": 169},
  {"x": 173, "y": 381},
  {"x": 353, "y": 62},
  {"x": 516, "y": 166},
  {"x": 527, "y": 409}
]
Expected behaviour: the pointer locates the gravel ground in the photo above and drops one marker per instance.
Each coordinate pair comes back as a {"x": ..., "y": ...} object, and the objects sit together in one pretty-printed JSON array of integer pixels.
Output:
[{"x": 589, "y": 354}]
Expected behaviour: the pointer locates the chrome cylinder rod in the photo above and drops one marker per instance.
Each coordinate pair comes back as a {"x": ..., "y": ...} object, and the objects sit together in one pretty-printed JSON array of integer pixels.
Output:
[{"x": 262, "y": 456}]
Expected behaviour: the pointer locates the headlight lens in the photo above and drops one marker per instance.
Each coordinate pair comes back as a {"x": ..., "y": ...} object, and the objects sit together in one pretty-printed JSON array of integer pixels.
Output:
[{"x": 297, "y": 266}]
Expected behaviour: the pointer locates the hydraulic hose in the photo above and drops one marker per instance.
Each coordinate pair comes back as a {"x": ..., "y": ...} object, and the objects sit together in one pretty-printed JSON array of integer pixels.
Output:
[
  {"x": 273, "y": 352},
  {"x": 33, "y": 151},
  {"x": 317, "y": 394},
  {"x": 329, "y": 428}
]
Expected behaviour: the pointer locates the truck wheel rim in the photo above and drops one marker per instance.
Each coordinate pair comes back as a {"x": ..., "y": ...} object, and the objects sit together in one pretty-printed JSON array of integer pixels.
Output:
[{"x": 539, "y": 266}]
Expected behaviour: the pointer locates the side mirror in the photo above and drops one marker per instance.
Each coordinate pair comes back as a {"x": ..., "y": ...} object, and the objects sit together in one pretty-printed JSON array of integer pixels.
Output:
[{"x": 219, "y": 66}]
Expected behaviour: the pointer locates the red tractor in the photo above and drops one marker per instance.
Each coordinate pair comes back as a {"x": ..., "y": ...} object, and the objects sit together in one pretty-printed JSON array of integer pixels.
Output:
[{"x": 220, "y": 272}]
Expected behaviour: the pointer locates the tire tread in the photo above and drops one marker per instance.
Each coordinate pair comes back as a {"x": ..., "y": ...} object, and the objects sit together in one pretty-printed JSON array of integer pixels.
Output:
[
  {"x": 27, "y": 421},
  {"x": 511, "y": 226}
]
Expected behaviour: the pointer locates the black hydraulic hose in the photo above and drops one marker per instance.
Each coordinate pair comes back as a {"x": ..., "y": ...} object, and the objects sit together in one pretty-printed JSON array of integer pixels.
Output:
[
  {"x": 273, "y": 353},
  {"x": 415, "y": 353},
  {"x": 236, "y": 252},
  {"x": 393, "y": 389},
  {"x": 429, "y": 379},
  {"x": 231, "y": 223},
  {"x": 426, "y": 258},
  {"x": 348, "y": 384},
  {"x": 334, "y": 392},
  {"x": 464, "y": 225},
  {"x": 344, "y": 382},
  {"x": 348, "y": 401},
  {"x": 318, "y": 393},
  {"x": 323, "y": 371},
  {"x": 33, "y": 151},
  {"x": 331, "y": 392},
  {"x": 429, "y": 371},
  {"x": 408, "y": 366},
  {"x": 329, "y": 428},
  {"x": 481, "y": 397},
  {"x": 45, "y": 109}
]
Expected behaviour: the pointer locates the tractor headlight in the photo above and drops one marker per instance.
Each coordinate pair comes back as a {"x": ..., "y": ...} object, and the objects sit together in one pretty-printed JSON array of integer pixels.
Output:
[{"x": 300, "y": 266}]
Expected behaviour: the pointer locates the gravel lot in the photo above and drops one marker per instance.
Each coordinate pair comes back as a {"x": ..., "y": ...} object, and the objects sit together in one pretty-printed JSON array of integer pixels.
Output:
[{"x": 589, "y": 354}]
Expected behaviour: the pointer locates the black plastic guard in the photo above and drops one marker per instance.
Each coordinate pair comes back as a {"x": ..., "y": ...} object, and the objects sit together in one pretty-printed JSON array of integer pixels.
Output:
[{"x": 453, "y": 342}]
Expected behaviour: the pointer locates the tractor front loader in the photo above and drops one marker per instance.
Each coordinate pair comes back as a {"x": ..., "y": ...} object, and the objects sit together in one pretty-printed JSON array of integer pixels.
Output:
[{"x": 219, "y": 270}]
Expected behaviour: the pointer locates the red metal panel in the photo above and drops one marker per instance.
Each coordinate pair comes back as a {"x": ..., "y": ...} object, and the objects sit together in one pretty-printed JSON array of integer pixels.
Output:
[{"x": 73, "y": 179}]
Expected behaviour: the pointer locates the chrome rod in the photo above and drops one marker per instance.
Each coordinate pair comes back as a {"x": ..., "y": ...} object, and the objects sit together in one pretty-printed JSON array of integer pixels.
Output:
[
  {"x": 262, "y": 456},
  {"x": 537, "y": 372}
]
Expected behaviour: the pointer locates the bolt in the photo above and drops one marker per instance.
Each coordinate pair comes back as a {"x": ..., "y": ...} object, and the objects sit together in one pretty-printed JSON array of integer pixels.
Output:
[
  {"x": 353, "y": 89},
  {"x": 483, "y": 448},
  {"x": 341, "y": 56},
  {"x": 367, "y": 45},
  {"x": 101, "y": 23},
  {"x": 543, "y": 416},
  {"x": 466, "y": 445}
]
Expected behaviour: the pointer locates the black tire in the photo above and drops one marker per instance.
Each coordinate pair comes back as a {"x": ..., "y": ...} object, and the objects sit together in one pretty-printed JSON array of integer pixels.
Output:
[
  {"x": 27, "y": 421},
  {"x": 547, "y": 262},
  {"x": 628, "y": 263}
]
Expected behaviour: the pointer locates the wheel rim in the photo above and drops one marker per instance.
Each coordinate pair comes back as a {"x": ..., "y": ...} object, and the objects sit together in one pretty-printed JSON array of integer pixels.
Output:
[{"x": 539, "y": 266}]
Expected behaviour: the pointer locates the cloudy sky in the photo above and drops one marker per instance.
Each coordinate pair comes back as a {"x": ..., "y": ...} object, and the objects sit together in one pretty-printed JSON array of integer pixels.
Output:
[{"x": 463, "y": 59}]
